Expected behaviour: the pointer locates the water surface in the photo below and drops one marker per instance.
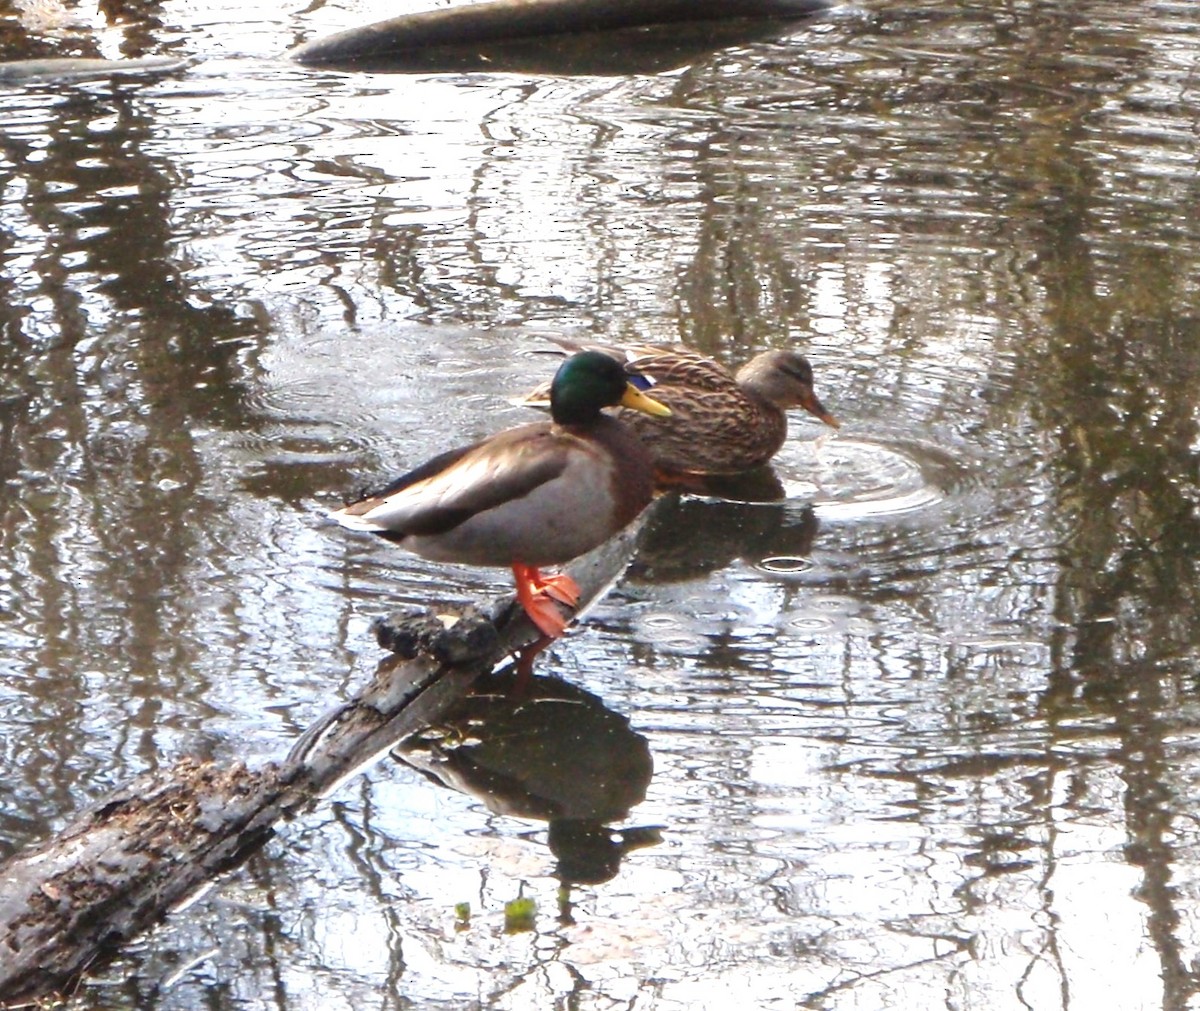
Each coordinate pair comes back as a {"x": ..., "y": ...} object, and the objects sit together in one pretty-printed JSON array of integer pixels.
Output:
[{"x": 923, "y": 733}]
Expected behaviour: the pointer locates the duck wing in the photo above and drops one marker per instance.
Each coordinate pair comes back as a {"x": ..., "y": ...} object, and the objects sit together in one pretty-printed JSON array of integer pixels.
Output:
[{"x": 455, "y": 486}]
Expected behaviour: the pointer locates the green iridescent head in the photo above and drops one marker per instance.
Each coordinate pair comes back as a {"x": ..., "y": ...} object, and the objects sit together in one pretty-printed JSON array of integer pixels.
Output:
[{"x": 588, "y": 382}]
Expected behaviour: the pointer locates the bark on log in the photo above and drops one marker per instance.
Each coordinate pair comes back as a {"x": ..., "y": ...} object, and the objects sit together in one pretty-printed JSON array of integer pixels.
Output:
[{"x": 68, "y": 904}]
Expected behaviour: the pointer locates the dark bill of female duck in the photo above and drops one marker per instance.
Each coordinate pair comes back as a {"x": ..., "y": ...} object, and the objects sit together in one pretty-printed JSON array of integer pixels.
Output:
[{"x": 536, "y": 495}]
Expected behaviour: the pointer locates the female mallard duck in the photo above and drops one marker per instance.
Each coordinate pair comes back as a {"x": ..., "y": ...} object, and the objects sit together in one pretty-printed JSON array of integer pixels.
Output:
[
  {"x": 720, "y": 423},
  {"x": 535, "y": 495}
]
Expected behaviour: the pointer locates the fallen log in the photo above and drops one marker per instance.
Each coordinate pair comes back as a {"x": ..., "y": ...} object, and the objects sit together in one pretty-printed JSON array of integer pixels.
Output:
[
  {"x": 555, "y": 36},
  {"x": 67, "y": 905}
]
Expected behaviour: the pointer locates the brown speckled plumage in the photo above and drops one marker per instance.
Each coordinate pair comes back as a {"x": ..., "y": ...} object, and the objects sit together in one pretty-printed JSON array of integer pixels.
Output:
[{"x": 720, "y": 423}]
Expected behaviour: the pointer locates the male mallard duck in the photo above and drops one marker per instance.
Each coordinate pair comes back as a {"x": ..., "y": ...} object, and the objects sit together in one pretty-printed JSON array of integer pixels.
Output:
[
  {"x": 721, "y": 423},
  {"x": 539, "y": 494}
]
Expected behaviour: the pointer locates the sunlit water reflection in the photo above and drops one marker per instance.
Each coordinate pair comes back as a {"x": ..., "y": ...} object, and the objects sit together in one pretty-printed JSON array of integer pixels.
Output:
[{"x": 922, "y": 726}]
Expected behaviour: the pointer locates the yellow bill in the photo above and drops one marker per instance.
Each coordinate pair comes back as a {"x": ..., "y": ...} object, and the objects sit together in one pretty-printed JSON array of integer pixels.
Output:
[{"x": 638, "y": 401}]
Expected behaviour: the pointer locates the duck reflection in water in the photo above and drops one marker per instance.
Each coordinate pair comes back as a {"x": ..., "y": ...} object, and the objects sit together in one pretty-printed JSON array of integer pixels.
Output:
[
  {"x": 551, "y": 752},
  {"x": 688, "y": 537}
]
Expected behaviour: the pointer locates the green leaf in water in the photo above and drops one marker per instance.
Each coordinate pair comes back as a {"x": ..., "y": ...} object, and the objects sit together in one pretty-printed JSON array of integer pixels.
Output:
[
  {"x": 462, "y": 915},
  {"x": 519, "y": 915}
]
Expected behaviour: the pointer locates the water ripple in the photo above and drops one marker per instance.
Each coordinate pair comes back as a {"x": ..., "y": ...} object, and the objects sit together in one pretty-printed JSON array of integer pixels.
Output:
[{"x": 853, "y": 479}]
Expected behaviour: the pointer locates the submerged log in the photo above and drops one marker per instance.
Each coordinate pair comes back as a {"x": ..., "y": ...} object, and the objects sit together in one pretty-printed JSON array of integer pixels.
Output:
[
  {"x": 557, "y": 36},
  {"x": 78, "y": 68},
  {"x": 67, "y": 905}
]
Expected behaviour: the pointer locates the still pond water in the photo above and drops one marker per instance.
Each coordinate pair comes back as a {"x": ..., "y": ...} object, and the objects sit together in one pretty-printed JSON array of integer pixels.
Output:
[{"x": 924, "y": 734}]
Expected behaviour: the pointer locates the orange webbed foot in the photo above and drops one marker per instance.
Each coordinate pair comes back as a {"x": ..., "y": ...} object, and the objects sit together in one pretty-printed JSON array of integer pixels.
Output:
[
  {"x": 544, "y": 613},
  {"x": 538, "y": 595},
  {"x": 561, "y": 587}
]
